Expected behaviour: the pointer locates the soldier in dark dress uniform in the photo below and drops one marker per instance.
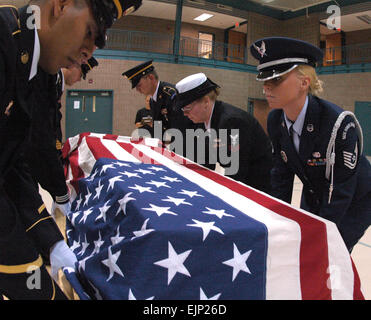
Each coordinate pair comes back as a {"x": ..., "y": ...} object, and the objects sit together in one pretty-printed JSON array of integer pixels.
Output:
[
  {"x": 237, "y": 140},
  {"x": 313, "y": 138},
  {"x": 145, "y": 80},
  {"x": 29, "y": 59},
  {"x": 44, "y": 159}
]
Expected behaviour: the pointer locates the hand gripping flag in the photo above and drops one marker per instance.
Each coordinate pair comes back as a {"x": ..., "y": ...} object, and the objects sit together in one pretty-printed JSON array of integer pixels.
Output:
[{"x": 148, "y": 224}]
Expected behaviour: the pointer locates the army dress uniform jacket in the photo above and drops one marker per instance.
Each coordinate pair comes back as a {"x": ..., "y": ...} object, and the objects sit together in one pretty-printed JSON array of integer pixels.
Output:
[
  {"x": 349, "y": 204},
  {"x": 43, "y": 155},
  {"x": 244, "y": 136},
  {"x": 27, "y": 229},
  {"x": 163, "y": 107}
]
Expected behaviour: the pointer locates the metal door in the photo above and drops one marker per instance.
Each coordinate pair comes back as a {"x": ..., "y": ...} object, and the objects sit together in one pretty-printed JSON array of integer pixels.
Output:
[{"x": 88, "y": 111}]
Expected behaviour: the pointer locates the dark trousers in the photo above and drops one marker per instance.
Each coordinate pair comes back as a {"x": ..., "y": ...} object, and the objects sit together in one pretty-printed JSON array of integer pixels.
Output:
[{"x": 22, "y": 271}]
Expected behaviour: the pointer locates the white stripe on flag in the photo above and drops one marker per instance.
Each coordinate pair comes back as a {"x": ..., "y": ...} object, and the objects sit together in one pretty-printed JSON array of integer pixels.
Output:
[{"x": 118, "y": 152}]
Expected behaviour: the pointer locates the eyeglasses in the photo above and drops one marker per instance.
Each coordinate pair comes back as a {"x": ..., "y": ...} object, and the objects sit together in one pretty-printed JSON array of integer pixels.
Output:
[{"x": 188, "y": 108}]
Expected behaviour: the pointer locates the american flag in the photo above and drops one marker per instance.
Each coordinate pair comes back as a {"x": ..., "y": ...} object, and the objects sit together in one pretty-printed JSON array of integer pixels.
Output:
[{"x": 149, "y": 224}]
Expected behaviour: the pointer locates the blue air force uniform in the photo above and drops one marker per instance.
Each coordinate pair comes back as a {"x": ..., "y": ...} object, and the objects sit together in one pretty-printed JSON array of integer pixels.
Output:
[
  {"x": 325, "y": 151},
  {"x": 349, "y": 202}
]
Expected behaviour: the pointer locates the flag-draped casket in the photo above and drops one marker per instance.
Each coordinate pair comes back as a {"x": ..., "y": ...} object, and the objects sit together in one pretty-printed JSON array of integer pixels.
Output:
[{"x": 148, "y": 224}]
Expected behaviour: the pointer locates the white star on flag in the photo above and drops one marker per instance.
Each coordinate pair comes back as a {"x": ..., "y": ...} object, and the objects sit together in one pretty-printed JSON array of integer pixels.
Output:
[
  {"x": 112, "y": 182},
  {"x": 157, "y": 168},
  {"x": 110, "y": 262},
  {"x": 191, "y": 194},
  {"x": 85, "y": 215},
  {"x": 206, "y": 227},
  {"x": 160, "y": 210},
  {"x": 177, "y": 201},
  {"x": 98, "y": 190},
  {"x": 73, "y": 217},
  {"x": 171, "y": 179},
  {"x": 142, "y": 189},
  {"x": 97, "y": 244},
  {"x": 122, "y": 202},
  {"x": 158, "y": 184},
  {"x": 174, "y": 263},
  {"x": 82, "y": 263},
  {"x": 75, "y": 245},
  {"x": 238, "y": 262},
  {"x": 84, "y": 245},
  {"x": 130, "y": 174},
  {"x": 143, "y": 231},
  {"x": 132, "y": 297},
  {"x": 204, "y": 297},
  {"x": 103, "y": 210},
  {"x": 219, "y": 213},
  {"x": 142, "y": 171},
  {"x": 105, "y": 167},
  {"x": 121, "y": 164},
  {"x": 78, "y": 203},
  {"x": 117, "y": 239},
  {"x": 87, "y": 197}
]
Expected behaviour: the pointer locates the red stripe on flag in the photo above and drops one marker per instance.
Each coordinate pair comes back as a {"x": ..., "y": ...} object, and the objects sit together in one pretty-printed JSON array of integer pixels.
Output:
[
  {"x": 76, "y": 171},
  {"x": 97, "y": 148},
  {"x": 313, "y": 278},
  {"x": 357, "y": 293}
]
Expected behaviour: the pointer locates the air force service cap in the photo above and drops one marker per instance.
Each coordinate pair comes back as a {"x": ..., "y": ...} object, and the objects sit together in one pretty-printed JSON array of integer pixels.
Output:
[
  {"x": 192, "y": 88},
  {"x": 86, "y": 67},
  {"x": 280, "y": 55},
  {"x": 139, "y": 71},
  {"x": 106, "y": 12}
]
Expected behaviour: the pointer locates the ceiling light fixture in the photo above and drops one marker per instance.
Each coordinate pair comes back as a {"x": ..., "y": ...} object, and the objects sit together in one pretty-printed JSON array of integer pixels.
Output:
[{"x": 203, "y": 17}]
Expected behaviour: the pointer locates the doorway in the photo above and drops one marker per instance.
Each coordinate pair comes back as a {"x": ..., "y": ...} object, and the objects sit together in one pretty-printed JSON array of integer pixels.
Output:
[{"x": 88, "y": 111}]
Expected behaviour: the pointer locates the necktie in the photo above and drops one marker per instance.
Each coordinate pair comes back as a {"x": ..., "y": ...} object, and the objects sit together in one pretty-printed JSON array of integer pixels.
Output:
[{"x": 295, "y": 139}]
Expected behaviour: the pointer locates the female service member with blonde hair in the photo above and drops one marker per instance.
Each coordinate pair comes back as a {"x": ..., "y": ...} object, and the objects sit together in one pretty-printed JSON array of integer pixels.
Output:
[{"x": 313, "y": 138}]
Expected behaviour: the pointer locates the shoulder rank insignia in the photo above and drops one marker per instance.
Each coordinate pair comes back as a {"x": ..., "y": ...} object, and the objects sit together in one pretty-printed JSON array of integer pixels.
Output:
[
  {"x": 350, "y": 158},
  {"x": 169, "y": 91}
]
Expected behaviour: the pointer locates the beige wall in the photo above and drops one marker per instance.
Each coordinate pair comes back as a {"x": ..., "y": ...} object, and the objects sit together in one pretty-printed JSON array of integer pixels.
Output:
[{"x": 237, "y": 87}]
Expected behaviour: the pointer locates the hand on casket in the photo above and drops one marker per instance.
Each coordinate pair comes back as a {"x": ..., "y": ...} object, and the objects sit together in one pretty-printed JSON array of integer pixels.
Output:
[{"x": 61, "y": 256}]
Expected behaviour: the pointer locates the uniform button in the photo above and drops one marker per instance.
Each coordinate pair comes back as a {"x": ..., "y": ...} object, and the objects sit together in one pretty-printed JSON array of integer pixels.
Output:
[{"x": 311, "y": 191}]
